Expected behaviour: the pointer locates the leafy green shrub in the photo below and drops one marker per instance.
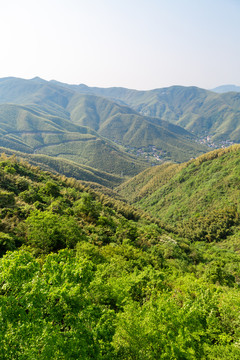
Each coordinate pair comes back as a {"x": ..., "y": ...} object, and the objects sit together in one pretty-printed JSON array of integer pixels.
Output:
[
  {"x": 47, "y": 231},
  {"x": 7, "y": 243},
  {"x": 9, "y": 169},
  {"x": 216, "y": 273},
  {"x": 6, "y": 199},
  {"x": 30, "y": 196},
  {"x": 50, "y": 189},
  {"x": 87, "y": 206},
  {"x": 47, "y": 313},
  {"x": 21, "y": 183}
]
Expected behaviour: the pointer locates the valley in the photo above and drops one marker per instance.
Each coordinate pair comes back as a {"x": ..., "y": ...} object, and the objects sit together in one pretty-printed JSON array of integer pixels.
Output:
[
  {"x": 40, "y": 116},
  {"x": 119, "y": 222},
  {"x": 82, "y": 268}
]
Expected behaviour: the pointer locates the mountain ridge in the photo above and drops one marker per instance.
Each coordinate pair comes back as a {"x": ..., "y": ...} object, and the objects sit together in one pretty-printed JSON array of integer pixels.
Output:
[
  {"x": 226, "y": 88},
  {"x": 113, "y": 125},
  {"x": 197, "y": 110}
]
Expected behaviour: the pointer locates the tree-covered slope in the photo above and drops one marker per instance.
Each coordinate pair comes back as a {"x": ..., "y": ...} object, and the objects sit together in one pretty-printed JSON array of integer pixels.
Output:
[
  {"x": 26, "y": 129},
  {"x": 67, "y": 168},
  {"x": 88, "y": 277},
  {"x": 125, "y": 126},
  {"x": 39, "y": 107},
  {"x": 203, "y": 112},
  {"x": 203, "y": 188}
]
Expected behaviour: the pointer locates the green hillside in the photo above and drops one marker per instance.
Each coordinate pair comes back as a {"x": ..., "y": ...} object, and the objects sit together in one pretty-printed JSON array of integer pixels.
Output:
[
  {"x": 126, "y": 127},
  {"x": 191, "y": 194},
  {"x": 107, "y": 128},
  {"x": 97, "y": 153},
  {"x": 53, "y": 100},
  {"x": 88, "y": 277},
  {"x": 95, "y": 268},
  {"x": 41, "y": 111},
  {"x": 25, "y": 129},
  {"x": 67, "y": 168},
  {"x": 203, "y": 112}
]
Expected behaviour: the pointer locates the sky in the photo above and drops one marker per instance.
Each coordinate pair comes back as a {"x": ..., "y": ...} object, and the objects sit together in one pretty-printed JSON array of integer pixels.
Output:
[{"x": 138, "y": 44}]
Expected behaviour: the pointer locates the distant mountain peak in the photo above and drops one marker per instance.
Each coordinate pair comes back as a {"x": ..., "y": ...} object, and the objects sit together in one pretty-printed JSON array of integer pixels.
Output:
[
  {"x": 38, "y": 79},
  {"x": 226, "y": 88},
  {"x": 83, "y": 86}
]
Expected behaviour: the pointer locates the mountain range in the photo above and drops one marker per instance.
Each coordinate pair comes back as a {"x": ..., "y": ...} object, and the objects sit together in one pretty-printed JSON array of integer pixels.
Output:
[
  {"x": 55, "y": 119},
  {"x": 226, "y": 88},
  {"x": 114, "y": 130},
  {"x": 83, "y": 273},
  {"x": 199, "y": 111}
]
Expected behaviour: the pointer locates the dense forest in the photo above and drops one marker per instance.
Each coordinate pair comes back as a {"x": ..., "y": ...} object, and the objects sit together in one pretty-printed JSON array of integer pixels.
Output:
[
  {"x": 199, "y": 197},
  {"x": 86, "y": 276}
]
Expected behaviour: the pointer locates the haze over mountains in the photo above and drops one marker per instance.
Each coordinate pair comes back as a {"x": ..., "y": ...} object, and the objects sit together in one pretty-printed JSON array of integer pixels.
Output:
[
  {"x": 105, "y": 128},
  {"x": 226, "y": 88}
]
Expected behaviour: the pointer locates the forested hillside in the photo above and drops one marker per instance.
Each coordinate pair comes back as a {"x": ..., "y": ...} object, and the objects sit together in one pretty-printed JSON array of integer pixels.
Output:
[
  {"x": 68, "y": 168},
  {"x": 37, "y": 116},
  {"x": 127, "y": 127},
  {"x": 36, "y": 132},
  {"x": 87, "y": 276},
  {"x": 202, "y": 112},
  {"x": 201, "y": 195}
]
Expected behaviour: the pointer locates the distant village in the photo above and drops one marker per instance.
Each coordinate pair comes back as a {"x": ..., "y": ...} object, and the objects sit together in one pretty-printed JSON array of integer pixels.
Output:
[
  {"x": 207, "y": 140},
  {"x": 150, "y": 153},
  {"x": 156, "y": 156}
]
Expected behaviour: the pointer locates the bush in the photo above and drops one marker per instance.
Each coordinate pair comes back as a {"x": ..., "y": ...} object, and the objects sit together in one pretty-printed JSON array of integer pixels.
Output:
[
  {"x": 50, "y": 189},
  {"x": 6, "y": 199},
  {"x": 50, "y": 232},
  {"x": 6, "y": 243}
]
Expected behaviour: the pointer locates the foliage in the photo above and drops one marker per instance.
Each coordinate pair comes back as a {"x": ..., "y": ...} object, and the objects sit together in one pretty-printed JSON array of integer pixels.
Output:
[
  {"x": 213, "y": 227},
  {"x": 6, "y": 199},
  {"x": 67, "y": 168},
  {"x": 199, "y": 197},
  {"x": 49, "y": 313},
  {"x": 86, "y": 276},
  {"x": 48, "y": 232},
  {"x": 106, "y": 303}
]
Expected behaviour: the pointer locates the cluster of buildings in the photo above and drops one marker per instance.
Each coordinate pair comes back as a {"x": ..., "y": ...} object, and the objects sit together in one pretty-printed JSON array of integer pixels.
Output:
[
  {"x": 150, "y": 153},
  {"x": 207, "y": 140}
]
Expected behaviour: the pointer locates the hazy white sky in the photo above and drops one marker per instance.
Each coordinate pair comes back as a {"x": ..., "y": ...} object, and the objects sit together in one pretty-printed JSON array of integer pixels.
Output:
[{"x": 141, "y": 44}]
